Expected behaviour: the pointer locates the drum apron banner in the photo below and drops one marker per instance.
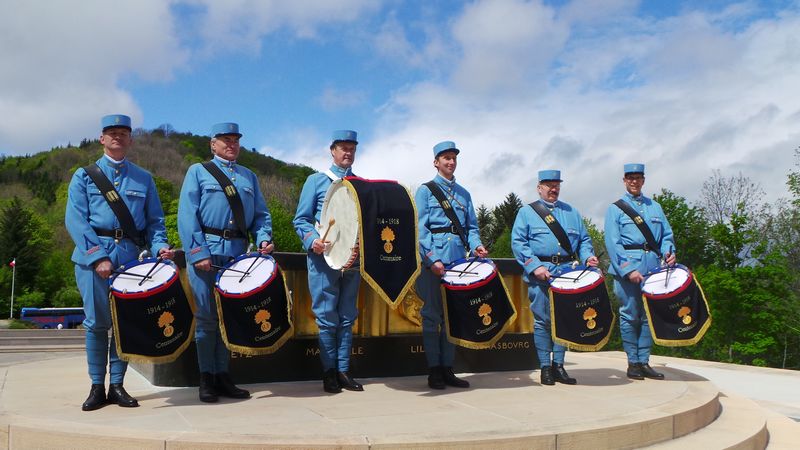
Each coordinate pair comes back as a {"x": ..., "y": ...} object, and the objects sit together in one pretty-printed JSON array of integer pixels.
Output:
[
  {"x": 388, "y": 233},
  {"x": 153, "y": 319},
  {"x": 253, "y": 305},
  {"x": 477, "y": 306},
  {"x": 676, "y": 307},
  {"x": 581, "y": 316}
]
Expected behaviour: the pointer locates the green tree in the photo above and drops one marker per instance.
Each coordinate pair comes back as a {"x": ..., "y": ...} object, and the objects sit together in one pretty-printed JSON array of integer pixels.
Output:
[
  {"x": 283, "y": 235},
  {"x": 25, "y": 236},
  {"x": 689, "y": 227}
]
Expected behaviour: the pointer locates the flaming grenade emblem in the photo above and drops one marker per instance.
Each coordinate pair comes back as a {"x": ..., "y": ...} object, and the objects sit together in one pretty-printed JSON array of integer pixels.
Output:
[
  {"x": 262, "y": 317},
  {"x": 387, "y": 236},
  {"x": 484, "y": 312},
  {"x": 165, "y": 321},
  {"x": 589, "y": 316},
  {"x": 684, "y": 313}
]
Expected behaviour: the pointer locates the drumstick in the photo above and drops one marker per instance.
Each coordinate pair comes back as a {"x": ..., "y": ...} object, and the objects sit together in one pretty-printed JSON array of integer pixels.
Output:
[
  {"x": 666, "y": 279},
  {"x": 581, "y": 274},
  {"x": 461, "y": 271},
  {"x": 330, "y": 224},
  {"x": 129, "y": 273},
  {"x": 223, "y": 268},
  {"x": 248, "y": 269},
  {"x": 158, "y": 261},
  {"x": 474, "y": 258}
]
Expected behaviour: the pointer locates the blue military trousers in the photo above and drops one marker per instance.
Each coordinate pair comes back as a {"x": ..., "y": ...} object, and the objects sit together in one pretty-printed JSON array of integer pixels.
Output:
[
  {"x": 334, "y": 296},
  {"x": 633, "y": 326},
  {"x": 438, "y": 350},
  {"x": 212, "y": 355}
]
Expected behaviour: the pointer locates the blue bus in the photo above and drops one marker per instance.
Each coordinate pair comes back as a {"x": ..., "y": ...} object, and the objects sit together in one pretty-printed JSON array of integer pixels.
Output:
[{"x": 53, "y": 317}]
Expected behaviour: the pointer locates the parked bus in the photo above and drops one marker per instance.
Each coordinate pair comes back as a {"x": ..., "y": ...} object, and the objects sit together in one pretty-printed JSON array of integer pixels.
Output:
[{"x": 53, "y": 317}]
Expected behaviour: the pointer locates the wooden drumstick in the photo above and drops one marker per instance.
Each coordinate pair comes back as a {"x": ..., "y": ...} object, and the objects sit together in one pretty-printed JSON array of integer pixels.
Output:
[{"x": 330, "y": 224}]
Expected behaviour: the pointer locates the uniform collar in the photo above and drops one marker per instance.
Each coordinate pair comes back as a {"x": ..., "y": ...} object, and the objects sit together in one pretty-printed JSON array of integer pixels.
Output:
[
  {"x": 224, "y": 162},
  {"x": 341, "y": 172},
  {"x": 113, "y": 161},
  {"x": 444, "y": 181},
  {"x": 638, "y": 199},
  {"x": 548, "y": 204}
]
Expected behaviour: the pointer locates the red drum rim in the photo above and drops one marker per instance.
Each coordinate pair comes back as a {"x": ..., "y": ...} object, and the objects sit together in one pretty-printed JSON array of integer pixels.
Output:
[
  {"x": 148, "y": 293},
  {"x": 589, "y": 287},
  {"x": 263, "y": 285},
  {"x": 477, "y": 284},
  {"x": 671, "y": 294}
]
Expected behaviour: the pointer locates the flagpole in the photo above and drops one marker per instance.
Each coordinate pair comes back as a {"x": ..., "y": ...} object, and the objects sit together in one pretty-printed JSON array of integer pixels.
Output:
[{"x": 13, "y": 278}]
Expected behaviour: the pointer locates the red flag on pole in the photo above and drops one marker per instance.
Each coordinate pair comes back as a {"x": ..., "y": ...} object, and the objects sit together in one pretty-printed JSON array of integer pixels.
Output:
[{"x": 13, "y": 262}]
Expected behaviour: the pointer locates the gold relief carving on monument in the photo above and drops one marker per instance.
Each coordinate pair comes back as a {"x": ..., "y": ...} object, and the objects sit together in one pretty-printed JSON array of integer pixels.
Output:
[{"x": 410, "y": 308}]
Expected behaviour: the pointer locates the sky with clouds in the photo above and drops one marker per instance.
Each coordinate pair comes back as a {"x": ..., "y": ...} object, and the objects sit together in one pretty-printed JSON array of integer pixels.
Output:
[{"x": 584, "y": 86}]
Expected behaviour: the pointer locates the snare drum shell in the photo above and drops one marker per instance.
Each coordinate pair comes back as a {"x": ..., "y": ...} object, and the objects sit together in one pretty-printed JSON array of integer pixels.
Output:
[
  {"x": 681, "y": 288},
  {"x": 147, "y": 292},
  {"x": 243, "y": 294}
]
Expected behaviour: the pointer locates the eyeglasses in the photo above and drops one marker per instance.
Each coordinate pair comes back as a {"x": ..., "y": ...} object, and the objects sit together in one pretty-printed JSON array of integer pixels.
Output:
[{"x": 634, "y": 178}]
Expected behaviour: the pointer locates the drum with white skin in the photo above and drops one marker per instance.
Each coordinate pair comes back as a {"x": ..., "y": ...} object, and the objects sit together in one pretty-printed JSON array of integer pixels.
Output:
[{"x": 339, "y": 225}]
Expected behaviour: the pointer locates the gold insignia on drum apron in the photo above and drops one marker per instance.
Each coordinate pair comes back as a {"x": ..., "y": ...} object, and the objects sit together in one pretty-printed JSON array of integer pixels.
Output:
[
  {"x": 165, "y": 322},
  {"x": 262, "y": 317},
  {"x": 387, "y": 236}
]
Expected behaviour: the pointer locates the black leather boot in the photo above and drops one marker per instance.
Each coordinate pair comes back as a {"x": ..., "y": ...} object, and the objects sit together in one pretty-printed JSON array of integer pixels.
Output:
[
  {"x": 208, "y": 393},
  {"x": 347, "y": 382},
  {"x": 560, "y": 375},
  {"x": 635, "y": 371},
  {"x": 546, "y": 377},
  {"x": 451, "y": 379},
  {"x": 648, "y": 372},
  {"x": 118, "y": 395},
  {"x": 96, "y": 398},
  {"x": 330, "y": 381},
  {"x": 435, "y": 377},
  {"x": 226, "y": 388}
]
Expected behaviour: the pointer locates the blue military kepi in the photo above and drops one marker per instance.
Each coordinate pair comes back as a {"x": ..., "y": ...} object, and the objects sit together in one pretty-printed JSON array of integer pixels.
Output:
[
  {"x": 634, "y": 168},
  {"x": 444, "y": 146},
  {"x": 115, "y": 120},
  {"x": 221, "y": 129},
  {"x": 550, "y": 175},
  {"x": 344, "y": 135}
]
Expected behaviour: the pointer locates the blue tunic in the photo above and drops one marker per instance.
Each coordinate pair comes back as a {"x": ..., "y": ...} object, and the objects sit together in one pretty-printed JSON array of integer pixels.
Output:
[
  {"x": 620, "y": 231},
  {"x": 203, "y": 203},
  {"x": 87, "y": 208},
  {"x": 444, "y": 247},
  {"x": 333, "y": 292},
  {"x": 531, "y": 238}
]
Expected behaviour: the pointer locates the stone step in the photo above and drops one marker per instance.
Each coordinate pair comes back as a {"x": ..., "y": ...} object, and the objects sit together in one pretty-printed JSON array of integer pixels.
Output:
[
  {"x": 41, "y": 348},
  {"x": 40, "y": 340},
  {"x": 784, "y": 433},
  {"x": 741, "y": 425},
  {"x": 71, "y": 332}
]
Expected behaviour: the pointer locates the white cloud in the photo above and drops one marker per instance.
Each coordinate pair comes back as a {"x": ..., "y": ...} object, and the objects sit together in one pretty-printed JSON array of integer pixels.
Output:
[
  {"x": 685, "y": 95},
  {"x": 62, "y": 61},
  {"x": 333, "y": 99},
  {"x": 240, "y": 25}
]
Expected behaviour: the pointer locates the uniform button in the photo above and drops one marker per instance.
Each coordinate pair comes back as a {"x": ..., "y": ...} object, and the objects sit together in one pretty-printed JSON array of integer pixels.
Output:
[
  {"x": 230, "y": 221},
  {"x": 116, "y": 183},
  {"x": 233, "y": 179},
  {"x": 116, "y": 171}
]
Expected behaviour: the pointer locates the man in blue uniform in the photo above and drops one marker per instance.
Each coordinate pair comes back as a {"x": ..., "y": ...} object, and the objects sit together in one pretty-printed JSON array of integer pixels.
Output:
[
  {"x": 101, "y": 245},
  {"x": 541, "y": 256},
  {"x": 333, "y": 292},
  {"x": 440, "y": 244},
  {"x": 211, "y": 237},
  {"x": 631, "y": 259}
]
